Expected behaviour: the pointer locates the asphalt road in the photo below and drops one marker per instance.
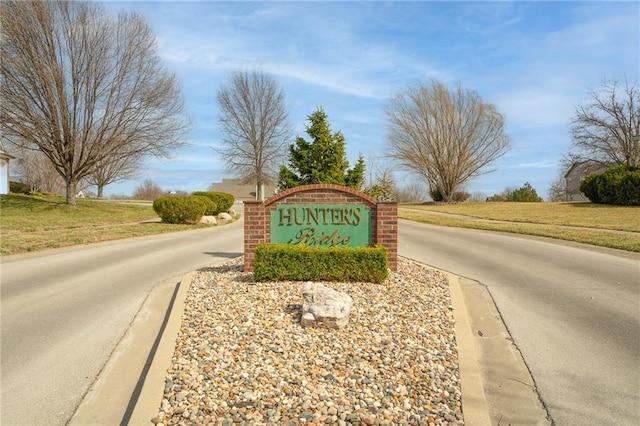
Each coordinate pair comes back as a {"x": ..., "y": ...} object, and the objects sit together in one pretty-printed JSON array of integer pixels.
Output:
[
  {"x": 63, "y": 313},
  {"x": 573, "y": 311}
]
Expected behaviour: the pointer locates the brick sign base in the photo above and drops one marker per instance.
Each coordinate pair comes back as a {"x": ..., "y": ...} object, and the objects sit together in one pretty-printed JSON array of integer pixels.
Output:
[{"x": 383, "y": 223}]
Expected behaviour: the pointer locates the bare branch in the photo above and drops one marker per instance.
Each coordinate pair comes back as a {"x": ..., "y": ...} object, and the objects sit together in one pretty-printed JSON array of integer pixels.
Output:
[
  {"x": 255, "y": 126},
  {"x": 84, "y": 88},
  {"x": 605, "y": 129}
]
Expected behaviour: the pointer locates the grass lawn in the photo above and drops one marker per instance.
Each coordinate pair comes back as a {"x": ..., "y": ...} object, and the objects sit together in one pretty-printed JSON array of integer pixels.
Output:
[
  {"x": 36, "y": 223},
  {"x": 607, "y": 226}
]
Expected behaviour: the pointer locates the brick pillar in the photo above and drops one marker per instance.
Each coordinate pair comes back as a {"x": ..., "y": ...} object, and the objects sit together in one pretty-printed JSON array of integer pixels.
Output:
[
  {"x": 254, "y": 231},
  {"x": 387, "y": 230}
]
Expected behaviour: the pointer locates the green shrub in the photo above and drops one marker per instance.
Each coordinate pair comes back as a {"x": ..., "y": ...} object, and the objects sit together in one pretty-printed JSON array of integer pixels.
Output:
[
  {"x": 436, "y": 195},
  {"x": 618, "y": 185},
  {"x": 524, "y": 194},
  {"x": 222, "y": 200},
  {"x": 277, "y": 262},
  {"x": 589, "y": 187},
  {"x": 179, "y": 208},
  {"x": 630, "y": 189},
  {"x": 211, "y": 207}
]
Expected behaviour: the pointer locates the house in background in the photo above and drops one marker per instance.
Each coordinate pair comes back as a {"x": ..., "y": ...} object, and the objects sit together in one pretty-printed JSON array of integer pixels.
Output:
[
  {"x": 5, "y": 159},
  {"x": 576, "y": 174},
  {"x": 241, "y": 192}
]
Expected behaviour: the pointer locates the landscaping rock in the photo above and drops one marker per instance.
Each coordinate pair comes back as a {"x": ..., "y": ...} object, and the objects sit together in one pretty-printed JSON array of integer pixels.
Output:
[
  {"x": 396, "y": 363},
  {"x": 324, "y": 307},
  {"x": 209, "y": 219}
]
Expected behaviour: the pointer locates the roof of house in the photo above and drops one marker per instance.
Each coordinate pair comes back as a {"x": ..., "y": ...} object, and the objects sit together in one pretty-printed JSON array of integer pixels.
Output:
[{"x": 239, "y": 190}]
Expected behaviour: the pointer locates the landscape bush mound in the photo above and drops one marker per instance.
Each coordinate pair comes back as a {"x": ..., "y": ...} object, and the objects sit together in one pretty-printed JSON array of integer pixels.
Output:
[
  {"x": 182, "y": 209},
  {"x": 282, "y": 262},
  {"x": 618, "y": 185},
  {"x": 211, "y": 206},
  {"x": 222, "y": 200}
]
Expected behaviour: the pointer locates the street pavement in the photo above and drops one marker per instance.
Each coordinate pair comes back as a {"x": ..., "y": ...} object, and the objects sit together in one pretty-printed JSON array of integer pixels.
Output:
[
  {"x": 64, "y": 312},
  {"x": 572, "y": 310},
  {"x": 571, "y": 316}
]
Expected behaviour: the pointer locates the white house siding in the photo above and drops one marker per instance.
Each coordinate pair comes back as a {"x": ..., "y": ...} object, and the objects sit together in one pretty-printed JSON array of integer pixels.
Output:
[{"x": 4, "y": 175}]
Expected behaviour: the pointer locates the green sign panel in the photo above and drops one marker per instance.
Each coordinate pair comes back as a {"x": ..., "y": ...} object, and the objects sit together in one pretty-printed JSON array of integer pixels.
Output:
[{"x": 323, "y": 225}]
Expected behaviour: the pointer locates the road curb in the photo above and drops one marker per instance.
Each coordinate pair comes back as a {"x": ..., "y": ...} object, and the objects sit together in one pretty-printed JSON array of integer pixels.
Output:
[
  {"x": 497, "y": 387},
  {"x": 113, "y": 395},
  {"x": 474, "y": 403},
  {"x": 152, "y": 392}
]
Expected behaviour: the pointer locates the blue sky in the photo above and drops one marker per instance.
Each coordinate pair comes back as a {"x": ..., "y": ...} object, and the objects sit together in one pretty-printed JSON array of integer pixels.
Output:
[{"x": 535, "y": 60}]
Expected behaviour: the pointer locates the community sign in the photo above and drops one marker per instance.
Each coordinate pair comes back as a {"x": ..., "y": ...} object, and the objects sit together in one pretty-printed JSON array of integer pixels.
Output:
[{"x": 322, "y": 225}]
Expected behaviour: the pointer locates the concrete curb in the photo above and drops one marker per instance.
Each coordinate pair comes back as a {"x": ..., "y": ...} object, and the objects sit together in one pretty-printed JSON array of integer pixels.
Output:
[
  {"x": 474, "y": 403},
  {"x": 152, "y": 392},
  {"x": 113, "y": 395},
  {"x": 497, "y": 387}
]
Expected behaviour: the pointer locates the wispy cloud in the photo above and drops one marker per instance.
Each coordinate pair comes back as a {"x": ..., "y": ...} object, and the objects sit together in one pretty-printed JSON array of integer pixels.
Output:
[{"x": 535, "y": 60}]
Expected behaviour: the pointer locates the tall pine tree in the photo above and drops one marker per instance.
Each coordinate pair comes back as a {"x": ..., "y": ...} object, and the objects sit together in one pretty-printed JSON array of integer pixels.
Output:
[{"x": 323, "y": 160}]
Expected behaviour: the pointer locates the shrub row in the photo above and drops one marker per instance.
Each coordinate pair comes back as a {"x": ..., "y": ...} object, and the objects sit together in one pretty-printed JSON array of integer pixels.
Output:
[
  {"x": 279, "y": 262},
  {"x": 618, "y": 185},
  {"x": 189, "y": 209},
  {"x": 186, "y": 209},
  {"x": 222, "y": 200}
]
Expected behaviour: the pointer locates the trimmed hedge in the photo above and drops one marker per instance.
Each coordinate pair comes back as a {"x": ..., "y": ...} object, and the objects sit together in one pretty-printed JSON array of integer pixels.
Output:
[
  {"x": 223, "y": 200},
  {"x": 619, "y": 185},
  {"x": 282, "y": 262},
  {"x": 211, "y": 207},
  {"x": 187, "y": 209}
]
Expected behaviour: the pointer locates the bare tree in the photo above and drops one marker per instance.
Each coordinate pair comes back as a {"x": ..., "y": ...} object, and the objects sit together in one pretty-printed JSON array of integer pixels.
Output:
[
  {"x": 445, "y": 136},
  {"x": 412, "y": 193},
  {"x": 607, "y": 128},
  {"x": 84, "y": 88},
  {"x": 255, "y": 126},
  {"x": 147, "y": 190},
  {"x": 114, "y": 170},
  {"x": 37, "y": 172},
  {"x": 558, "y": 189}
]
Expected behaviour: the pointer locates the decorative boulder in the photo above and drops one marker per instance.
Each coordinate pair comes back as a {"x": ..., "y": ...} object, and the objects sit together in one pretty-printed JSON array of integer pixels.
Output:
[
  {"x": 324, "y": 307},
  {"x": 208, "y": 219},
  {"x": 224, "y": 216}
]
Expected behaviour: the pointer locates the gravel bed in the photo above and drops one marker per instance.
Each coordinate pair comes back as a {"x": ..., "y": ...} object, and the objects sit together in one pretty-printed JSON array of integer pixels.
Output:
[{"x": 242, "y": 357}]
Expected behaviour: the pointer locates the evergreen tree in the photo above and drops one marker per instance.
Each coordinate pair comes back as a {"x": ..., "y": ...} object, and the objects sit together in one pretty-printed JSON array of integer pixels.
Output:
[
  {"x": 323, "y": 160},
  {"x": 524, "y": 194}
]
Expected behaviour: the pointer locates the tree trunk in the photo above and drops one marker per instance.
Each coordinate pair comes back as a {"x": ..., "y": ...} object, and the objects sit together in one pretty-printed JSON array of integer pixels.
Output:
[
  {"x": 259, "y": 191},
  {"x": 71, "y": 192},
  {"x": 100, "y": 190}
]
